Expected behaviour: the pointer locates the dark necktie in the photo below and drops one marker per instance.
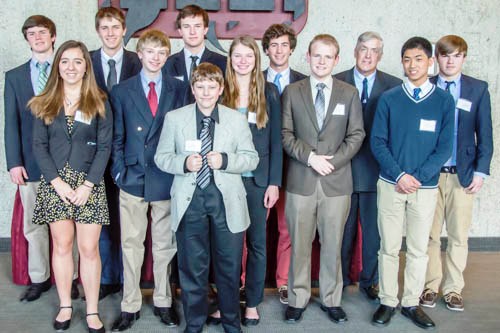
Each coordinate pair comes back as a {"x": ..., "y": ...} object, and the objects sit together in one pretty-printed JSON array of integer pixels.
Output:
[
  {"x": 277, "y": 82},
  {"x": 364, "y": 93},
  {"x": 203, "y": 176},
  {"x": 152, "y": 98},
  {"x": 448, "y": 85},
  {"x": 193, "y": 65},
  {"x": 42, "y": 76},
  {"x": 111, "y": 75},
  {"x": 416, "y": 93},
  {"x": 319, "y": 104}
]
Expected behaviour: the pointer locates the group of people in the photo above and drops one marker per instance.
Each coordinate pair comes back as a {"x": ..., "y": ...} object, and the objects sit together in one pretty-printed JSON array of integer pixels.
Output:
[{"x": 202, "y": 145}]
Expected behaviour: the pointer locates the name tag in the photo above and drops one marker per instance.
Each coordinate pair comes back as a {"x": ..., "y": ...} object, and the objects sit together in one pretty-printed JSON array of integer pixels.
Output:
[
  {"x": 81, "y": 118},
  {"x": 193, "y": 146},
  {"x": 339, "y": 110},
  {"x": 252, "y": 117},
  {"x": 180, "y": 78},
  {"x": 427, "y": 125},
  {"x": 464, "y": 104}
]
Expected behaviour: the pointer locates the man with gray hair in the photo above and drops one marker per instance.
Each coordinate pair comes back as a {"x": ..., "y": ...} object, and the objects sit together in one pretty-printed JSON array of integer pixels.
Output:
[{"x": 371, "y": 83}]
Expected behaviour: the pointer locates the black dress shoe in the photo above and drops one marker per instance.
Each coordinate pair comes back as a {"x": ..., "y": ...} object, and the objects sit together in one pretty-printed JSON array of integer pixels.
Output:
[
  {"x": 418, "y": 316},
  {"x": 293, "y": 315},
  {"x": 250, "y": 321},
  {"x": 95, "y": 330},
  {"x": 125, "y": 321},
  {"x": 383, "y": 315},
  {"x": 213, "y": 320},
  {"x": 35, "y": 290},
  {"x": 168, "y": 316},
  {"x": 335, "y": 313},
  {"x": 370, "y": 292},
  {"x": 108, "y": 289},
  {"x": 75, "y": 293},
  {"x": 60, "y": 326}
]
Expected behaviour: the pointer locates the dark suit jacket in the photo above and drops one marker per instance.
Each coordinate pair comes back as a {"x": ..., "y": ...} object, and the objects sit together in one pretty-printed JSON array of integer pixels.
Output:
[
  {"x": 176, "y": 65},
  {"x": 474, "y": 137},
  {"x": 294, "y": 75},
  {"x": 87, "y": 149},
  {"x": 267, "y": 142},
  {"x": 136, "y": 135},
  {"x": 19, "y": 121},
  {"x": 341, "y": 136},
  {"x": 365, "y": 169},
  {"x": 131, "y": 66}
]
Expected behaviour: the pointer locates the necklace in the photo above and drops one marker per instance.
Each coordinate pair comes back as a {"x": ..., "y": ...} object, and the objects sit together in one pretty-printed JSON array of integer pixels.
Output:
[{"x": 70, "y": 103}]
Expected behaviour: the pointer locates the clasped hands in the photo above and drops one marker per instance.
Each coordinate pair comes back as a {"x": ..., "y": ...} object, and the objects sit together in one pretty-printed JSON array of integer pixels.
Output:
[
  {"x": 195, "y": 161},
  {"x": 78, "y": 196},
  {"x": 407, "y": 184}
]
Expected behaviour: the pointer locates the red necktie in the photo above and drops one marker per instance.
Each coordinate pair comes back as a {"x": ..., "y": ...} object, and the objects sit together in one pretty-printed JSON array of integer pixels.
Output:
[{"x": 152, "y": 98}]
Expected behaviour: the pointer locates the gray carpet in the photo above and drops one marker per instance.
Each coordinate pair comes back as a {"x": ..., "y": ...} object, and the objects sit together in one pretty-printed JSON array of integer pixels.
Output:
[{"x": 481, "y": 295}]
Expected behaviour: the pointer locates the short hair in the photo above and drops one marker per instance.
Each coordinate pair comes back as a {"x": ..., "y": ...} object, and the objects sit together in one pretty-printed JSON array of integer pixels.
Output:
[
  {"x": 153, "y": 36},
  {"x": 38, "y": 21},
  {"x": 276, "y": 31},
  {"x": 189, "y": 11},
  {"x": 326, "y": 39},
  {"x": 110, "y": 13},
  {"x": 369, "y": 35},
  {"x": 449, "y": 44},
  {"x": 417, "y": 43},
  {"x": 207, "y": 72}
]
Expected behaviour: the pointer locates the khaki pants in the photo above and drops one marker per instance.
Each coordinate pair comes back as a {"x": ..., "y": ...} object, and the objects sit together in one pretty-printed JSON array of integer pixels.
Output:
[
  {"x": 418, "y": 211},
  {"x": 134, "y": 223},
  {"x": 454, "y": 206},
  {"x": 305, "y": 215}
]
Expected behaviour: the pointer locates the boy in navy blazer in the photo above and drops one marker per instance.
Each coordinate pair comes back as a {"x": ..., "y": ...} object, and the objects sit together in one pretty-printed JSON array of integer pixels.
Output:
[
  {"x": 461, "y": 176},
  {"x": 112, "y": 64},
  {"x": 140, "y": 104}
]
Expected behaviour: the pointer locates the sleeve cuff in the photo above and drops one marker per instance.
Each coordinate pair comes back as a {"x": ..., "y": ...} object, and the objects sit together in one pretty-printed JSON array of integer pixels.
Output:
[
  {"x": 480, "y": 174},
  {"x": 224, "y": 161},
  {"x": 185, "y": 165}
]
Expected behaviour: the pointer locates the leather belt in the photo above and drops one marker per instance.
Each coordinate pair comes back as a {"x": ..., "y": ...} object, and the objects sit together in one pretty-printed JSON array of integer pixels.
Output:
[{"x": 449, "y": 169}]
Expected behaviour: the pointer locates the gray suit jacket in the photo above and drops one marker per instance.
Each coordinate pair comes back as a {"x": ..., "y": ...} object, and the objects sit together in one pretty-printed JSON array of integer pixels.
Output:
[
  {"x": 231, "y": 136},
  {"x": 341, "y": 136}
]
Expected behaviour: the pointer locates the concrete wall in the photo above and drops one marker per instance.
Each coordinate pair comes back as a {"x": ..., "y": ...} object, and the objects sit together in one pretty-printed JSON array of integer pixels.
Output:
[{"x": 476, "y": 21}]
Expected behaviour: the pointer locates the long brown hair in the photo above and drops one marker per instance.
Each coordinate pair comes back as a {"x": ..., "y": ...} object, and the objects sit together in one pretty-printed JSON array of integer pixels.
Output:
[
  {"x": 50, "y": 102},
  {"x": 257, "y": 97}
]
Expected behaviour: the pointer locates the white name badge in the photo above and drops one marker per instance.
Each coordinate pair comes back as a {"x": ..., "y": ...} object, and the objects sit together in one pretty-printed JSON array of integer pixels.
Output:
[
  {"x": 339, "y": 110},
  {"x": 464, "y": 104},
  {"x": 80, "y": 118},
  {"x": 427, "y": 125},
  {"x": 193, "y": 146},
  {"x": 180, "y": 78},
  {"x": 252, "y": 117}
]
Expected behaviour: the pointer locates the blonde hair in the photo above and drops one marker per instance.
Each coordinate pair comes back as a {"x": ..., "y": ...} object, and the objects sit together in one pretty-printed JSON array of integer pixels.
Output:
[
  {"x": 153, "y": 36},
  {"x": 50, "y": 102},
  {"x": 257, "y": 97}
]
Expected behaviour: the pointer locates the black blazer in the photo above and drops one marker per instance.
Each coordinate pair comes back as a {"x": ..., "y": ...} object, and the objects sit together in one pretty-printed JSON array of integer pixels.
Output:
[
  {"x": 136, "y": 135},
  {"x": 87, "y": 149},
  {"x": 365, "y": 169},
  {"x": 474, "y": 136},
  {"x": 294, "y": 75},
  {"x": 131, "y": 66},
  {"x": 267, "y": 142}
]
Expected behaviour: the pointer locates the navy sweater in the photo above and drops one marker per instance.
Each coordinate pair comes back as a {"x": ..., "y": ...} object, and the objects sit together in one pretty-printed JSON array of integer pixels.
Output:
[{"x": 414, "y": 137}]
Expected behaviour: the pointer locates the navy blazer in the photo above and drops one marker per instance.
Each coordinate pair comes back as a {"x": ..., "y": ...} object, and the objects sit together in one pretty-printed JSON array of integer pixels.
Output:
[
  {"x": 87, "y": 149},
  {"x": 131, "y": 66},
  {"x": 136, "y": 135},
  {"x": 176, "y": 64},
  {"x": 474, "y": 136},
  {"x": 365, "y": 169},
  {"x": 294, "y": 76},
  {"x": 267, "y": 142},
  {"x": 18, "y": 135}
]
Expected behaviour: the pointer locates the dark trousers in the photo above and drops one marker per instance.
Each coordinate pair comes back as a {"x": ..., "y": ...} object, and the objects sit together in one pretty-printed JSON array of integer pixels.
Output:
[
  {"x": 256, "y": 243},
  {"x": 203, "y": 235},
  {"x": 109, "y": 240},
  {"x": 366, "y": 204}
]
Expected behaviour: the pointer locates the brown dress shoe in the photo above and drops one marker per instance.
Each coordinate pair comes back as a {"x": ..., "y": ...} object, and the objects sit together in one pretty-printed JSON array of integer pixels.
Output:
[
  {"x": 428, "y": 298},
  {"x": 454, "y": 301}
]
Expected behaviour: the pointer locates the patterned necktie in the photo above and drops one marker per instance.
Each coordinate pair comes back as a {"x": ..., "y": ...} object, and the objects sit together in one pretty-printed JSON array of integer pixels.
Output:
[
  {"x": 152, "y": 98},
  {"x": 111, "y": 75},
  {"x": 448, "y": 84},
  {"x": 364, "y": 93},
  {"x": 203, "y": 176},
  {"x": 42, "y": 76},
  {"x": 277, "y": 82},
  {"x": 319, "y": 104},
  {"x": 416, "y": 93},
  {"x": 193, "y": 65}
]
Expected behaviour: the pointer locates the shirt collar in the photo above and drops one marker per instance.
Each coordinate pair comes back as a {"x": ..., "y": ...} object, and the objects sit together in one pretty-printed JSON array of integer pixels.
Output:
[
  {"x": 145, "y": 80},
  {"x": 271, "y": 73},
  {"x": 117, "y": 57},
  {"x": 361, "y": 77},
  {"x": 328, "y": 82},
  {"x": 34, "y": 62},
  {"x": 426, "y": 87},
  {"x": 188, "y": 53},
  {"x": 214, "y": 115},
  {"x": 441, "y": 80}
]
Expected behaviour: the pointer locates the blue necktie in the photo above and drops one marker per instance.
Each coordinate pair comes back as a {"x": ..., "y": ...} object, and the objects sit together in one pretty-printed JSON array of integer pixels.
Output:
[
  {"x": 448, "y": 85},
  {"x": 416, "y": 93},
  {"x": 364, "y": 93},
  {"x": 42, "y": 76},
  {"x": 277, "y": 82}
]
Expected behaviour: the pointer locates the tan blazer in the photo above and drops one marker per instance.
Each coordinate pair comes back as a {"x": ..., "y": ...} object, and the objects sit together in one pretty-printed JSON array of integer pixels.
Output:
[
  {"x": 341, "y": 136},
  {"x": 232, "y": 136}
]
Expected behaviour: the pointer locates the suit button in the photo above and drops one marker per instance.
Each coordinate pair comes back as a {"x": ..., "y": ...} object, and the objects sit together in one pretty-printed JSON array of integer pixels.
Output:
[
  {"x": 139, "y": 128},
  {"x": 188, "y": 199},
  {"x": 193, "y": 184},
  {"x": 145, "y": 164},
  {"x": 145, "y": 146}
]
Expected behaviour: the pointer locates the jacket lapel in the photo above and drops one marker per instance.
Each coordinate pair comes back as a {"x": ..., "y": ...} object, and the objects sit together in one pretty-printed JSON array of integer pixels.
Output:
[
  {"x": 220, "y": 133},
  {"x": 99, "y": 74},
  {"x": 334, "y": 99},
  {"x": 305, "y": 90},
  {"x": 61, "y": 121},
  {"x": 189, "y": 125},
  {"x": 164, "y": 105},
  {"x": 25, "y": 82},
  {"x": 137, "y": 95}
]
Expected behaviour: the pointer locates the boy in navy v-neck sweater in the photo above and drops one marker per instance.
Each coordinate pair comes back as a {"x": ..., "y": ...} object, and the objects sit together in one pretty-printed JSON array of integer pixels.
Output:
[{"x": 412, "y": 136}]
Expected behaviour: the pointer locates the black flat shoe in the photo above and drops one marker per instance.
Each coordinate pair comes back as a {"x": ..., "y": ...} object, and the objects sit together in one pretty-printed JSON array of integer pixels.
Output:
[
  {"x": 125, "y": 321},
  {"x": 418, "y": 317},
  {"x": 167, "y": 315},
  {"x": 35, "y": 290},
  {"x": 293, "y": 315},
  {"x": 335, "y": 313},
  {"x": 95, "y": 330},
  {"x": 60, "y": 326},
  {"x": 250, "y": 321},
  {"x": 383, "y": 315},
  {"x": 213, "y": 321}
]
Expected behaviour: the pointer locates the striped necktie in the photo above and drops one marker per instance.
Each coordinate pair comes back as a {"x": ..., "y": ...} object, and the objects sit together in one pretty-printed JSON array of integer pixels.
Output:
[
  {"x": 319, "y": 104},
  {"x": 42, "y": 76},
  {"x": 416, "y": 93},
  {"x": 203, "y": 176}
]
